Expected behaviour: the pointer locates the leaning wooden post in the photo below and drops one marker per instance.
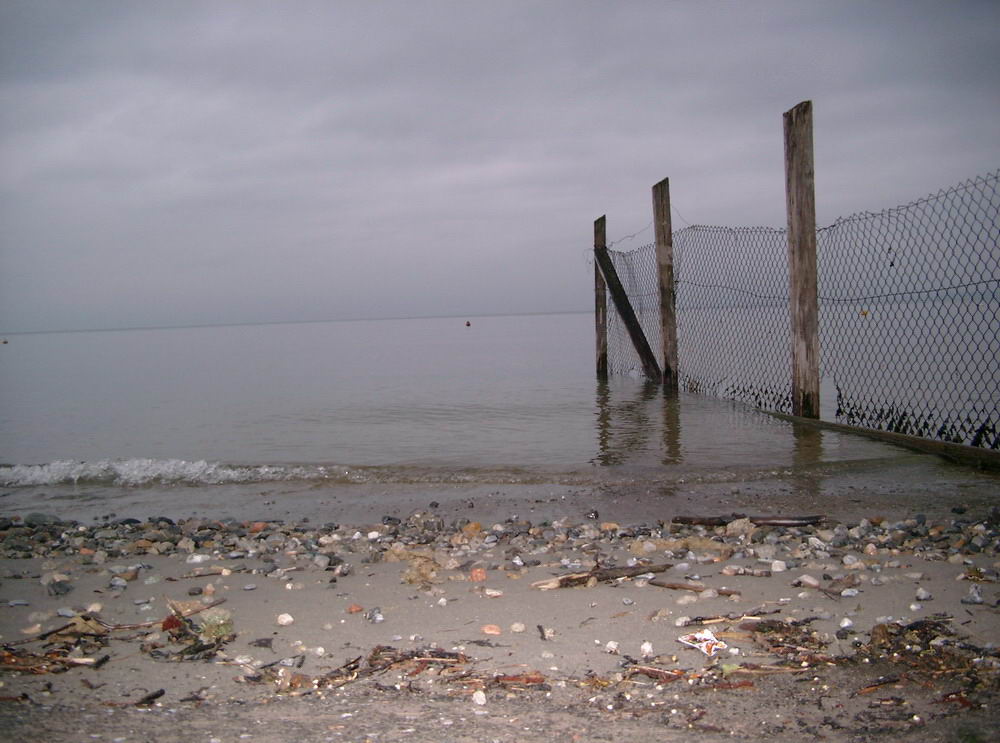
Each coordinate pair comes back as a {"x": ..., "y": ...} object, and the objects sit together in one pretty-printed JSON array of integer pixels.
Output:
[
  {"x": 804, "y": 306},
  {"x": 650, "y": 366},
  {"x": 665, "y": 262},
  {"x": 601, "y": 303}
]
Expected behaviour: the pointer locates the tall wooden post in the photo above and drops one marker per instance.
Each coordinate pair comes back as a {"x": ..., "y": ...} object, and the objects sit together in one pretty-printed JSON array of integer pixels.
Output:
[
  {"x": 601, "y": 302},
  {"x": 665, "y": 263},
  {"x": 800, "y": 202}
]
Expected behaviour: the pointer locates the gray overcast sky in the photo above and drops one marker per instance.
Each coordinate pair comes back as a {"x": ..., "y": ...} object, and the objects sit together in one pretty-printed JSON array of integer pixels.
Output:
[{"x": 179, "y": 162}]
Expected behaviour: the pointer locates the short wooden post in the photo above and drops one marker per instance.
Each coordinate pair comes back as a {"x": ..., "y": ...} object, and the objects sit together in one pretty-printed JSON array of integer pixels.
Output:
[
  {"x": 800, "y": 202},
  {"x": 601, "y": 302},
  {"x": 665, "y": 262}
]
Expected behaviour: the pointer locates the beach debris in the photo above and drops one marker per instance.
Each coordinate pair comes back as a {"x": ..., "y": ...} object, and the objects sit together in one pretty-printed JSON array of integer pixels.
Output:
[
  {"x": 491, "y": 629},
  {"x": 597, "y": 575},
  {"x": 877, "y": 551},
  {"x": 380, "y": 659},
  {"x": 974, "y": 596},
  {"x": 644, "y": 547},
  {"x": 704, "y": 640},
  {"x": 52, "y": 661},
  {"x": 733, "y": 570},
  {"x": 698, "y": 588},
  {"x": 791, "y": 640},
  {"x": 148, "y": 699},
  {"x": 374, "y": 615},
  {"x": 285, "y": 619},
  {"x": 786, "y": 521},
  {"x": 201, "y": 641}
]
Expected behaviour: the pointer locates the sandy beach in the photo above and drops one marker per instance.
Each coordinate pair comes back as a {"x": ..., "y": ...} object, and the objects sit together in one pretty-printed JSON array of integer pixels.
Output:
[{"x": 538, "y": 613}]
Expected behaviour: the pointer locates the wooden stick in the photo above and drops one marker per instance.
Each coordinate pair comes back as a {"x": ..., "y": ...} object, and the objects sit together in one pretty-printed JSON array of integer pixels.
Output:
[
  {"x": 696, "y": 587},
  {"x": 598, "y": 575},
  {"x": 758, "y": 520}
]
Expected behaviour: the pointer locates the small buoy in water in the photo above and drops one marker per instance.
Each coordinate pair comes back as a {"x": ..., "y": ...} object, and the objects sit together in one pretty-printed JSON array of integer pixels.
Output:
[{"x": 467, "y": 324}]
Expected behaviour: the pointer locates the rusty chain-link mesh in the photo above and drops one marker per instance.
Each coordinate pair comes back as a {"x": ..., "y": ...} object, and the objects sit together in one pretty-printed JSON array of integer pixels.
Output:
[{"x": 909, "y": 313}]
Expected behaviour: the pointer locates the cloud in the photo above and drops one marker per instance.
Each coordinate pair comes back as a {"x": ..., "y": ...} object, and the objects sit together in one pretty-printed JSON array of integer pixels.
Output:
[{"x": 199, "y": 162}]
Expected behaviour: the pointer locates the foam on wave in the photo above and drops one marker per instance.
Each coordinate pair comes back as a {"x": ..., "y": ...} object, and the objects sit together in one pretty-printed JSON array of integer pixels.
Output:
[{"x": 137, "y": 472}]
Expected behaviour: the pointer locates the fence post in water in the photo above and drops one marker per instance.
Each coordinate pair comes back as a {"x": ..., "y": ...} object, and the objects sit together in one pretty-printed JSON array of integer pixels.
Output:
[
  {"x": 601, "y": 302},
  {"x": 650, "y": 366},
  {"x": 800, "y": 203},
  {"x": 665, "y": 263}
]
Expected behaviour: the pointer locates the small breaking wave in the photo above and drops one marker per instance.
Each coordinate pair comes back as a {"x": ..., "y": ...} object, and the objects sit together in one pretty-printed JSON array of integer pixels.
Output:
[
  {"x": 128, "y": 473},
  {"x": 140, "y": 472}
]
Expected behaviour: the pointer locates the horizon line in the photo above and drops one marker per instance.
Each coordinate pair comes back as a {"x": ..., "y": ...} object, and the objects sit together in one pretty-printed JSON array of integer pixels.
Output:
[{"x": 284, "y": 322}]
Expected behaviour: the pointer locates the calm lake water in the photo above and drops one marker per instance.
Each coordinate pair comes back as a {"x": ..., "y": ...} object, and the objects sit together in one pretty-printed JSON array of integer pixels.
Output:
[{"x": 505, "y": 400}]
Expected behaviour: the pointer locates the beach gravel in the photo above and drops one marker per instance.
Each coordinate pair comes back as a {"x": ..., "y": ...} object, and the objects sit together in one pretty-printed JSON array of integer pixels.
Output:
[{"x": 420, "y": 627}]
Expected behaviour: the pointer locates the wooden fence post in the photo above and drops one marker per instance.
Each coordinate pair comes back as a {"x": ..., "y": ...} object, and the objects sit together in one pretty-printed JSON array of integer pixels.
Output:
[
  {"x": 650, "y": 366},
  {"x": 665, "y": 263},
  {"x": 800, "y": 203},
  {"x": 601, "y": 302}
]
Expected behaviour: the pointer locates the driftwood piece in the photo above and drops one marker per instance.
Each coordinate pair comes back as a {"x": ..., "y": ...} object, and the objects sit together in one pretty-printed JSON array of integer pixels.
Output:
[
  {"x": 597, "y": 575},
  {"x": 695, "y": 587},
  {"x": 757, "y": 520},
  {"x": 663, "y": 675}
]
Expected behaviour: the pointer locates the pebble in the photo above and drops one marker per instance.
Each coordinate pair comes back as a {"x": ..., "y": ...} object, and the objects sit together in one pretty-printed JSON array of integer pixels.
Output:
[
  {"x": 923, "y": 594},
  {"x": 975, "y": 595},
  {"x": 285, "y": 619}
]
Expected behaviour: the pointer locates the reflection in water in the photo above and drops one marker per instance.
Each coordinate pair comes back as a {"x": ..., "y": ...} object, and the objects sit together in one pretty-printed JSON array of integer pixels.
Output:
[
  {"x": 671, "y": 428},
  {"x": 807, "y": 455},
  {"x": 625, "y": 427}
]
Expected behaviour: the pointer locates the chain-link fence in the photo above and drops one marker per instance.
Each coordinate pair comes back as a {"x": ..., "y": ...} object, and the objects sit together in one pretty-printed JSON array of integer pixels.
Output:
[
  {"x": 910, "y": 315},
  {"x": 909, "y": 302},
  {"x": 638, "y": 273},
  {"x": 732, "y": 314}
]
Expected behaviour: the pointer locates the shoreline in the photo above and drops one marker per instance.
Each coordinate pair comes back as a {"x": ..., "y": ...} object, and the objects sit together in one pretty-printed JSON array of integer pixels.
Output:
[{"x": 451, "y": 571}]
